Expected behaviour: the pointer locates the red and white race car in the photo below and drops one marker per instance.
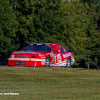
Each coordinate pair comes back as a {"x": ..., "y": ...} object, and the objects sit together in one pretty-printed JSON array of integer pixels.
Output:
[{"x": 43, "y": 55}]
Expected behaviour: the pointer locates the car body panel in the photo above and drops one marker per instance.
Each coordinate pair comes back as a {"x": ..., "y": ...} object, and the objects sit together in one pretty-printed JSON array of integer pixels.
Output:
[{"x": 35, "y": 54}]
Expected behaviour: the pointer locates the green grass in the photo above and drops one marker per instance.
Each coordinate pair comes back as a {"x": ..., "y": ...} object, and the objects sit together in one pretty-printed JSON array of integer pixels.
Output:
[{"x": 49, "y": 83}]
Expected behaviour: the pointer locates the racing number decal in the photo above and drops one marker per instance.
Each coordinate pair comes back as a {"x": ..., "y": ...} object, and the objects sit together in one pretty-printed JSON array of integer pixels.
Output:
[{"x": 59, "y": 59}]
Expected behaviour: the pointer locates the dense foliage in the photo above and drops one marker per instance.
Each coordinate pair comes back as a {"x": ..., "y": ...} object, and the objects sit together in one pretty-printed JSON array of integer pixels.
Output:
[{"x": 75, "y": 24}]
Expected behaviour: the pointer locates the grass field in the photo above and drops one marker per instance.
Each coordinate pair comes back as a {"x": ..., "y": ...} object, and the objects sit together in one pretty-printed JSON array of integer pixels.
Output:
[{"x": 49, "y": 83}]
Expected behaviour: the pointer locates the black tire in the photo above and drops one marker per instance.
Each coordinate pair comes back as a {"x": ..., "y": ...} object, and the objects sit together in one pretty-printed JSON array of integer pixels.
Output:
[
  {"x": 68, "y": 64},
  {"x": 47, "y": 61}
]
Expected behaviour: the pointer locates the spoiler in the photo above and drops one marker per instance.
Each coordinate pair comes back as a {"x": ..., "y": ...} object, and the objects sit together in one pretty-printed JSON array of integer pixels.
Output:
[{"x": 69, "y": 50}]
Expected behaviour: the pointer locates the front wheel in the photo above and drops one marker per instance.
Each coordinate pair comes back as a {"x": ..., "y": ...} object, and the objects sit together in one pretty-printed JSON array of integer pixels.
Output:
[
  {"x": 68, "y": 64},
  {"x": 47, "y": 61}
]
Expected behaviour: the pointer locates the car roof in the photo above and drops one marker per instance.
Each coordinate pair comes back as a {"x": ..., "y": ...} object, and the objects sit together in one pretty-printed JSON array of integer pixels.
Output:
[{"x": 46, "y": 43}]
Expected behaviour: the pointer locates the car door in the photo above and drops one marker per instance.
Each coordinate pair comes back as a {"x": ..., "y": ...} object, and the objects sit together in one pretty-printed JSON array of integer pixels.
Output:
[
  {"x": 56, "y": 59},
  {"x": 63, "y": 55}
]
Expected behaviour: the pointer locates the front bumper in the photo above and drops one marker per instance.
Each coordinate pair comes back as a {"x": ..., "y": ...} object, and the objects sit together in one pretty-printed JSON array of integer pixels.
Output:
[{"x": 26, "y": 62}]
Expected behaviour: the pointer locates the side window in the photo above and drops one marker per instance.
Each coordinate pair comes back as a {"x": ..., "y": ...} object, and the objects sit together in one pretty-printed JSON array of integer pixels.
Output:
[{"x": 61, "y": 49}]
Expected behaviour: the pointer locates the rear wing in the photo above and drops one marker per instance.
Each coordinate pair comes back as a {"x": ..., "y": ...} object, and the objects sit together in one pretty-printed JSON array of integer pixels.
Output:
[{"x": 69, "y": 50}]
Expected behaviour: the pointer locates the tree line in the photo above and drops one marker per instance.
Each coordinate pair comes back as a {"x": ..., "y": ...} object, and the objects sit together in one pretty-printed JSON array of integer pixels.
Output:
[{"x": 74, "y": 24}]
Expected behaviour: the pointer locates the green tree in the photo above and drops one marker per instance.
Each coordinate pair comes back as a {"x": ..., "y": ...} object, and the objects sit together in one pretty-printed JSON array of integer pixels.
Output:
[
  {"x": 79, "y": 29},
  {"x": 72, "y": 24},
  {"x": 8, "y": 28},
  {"x": 47, "y": 20},
  {"x": 25, "y": 16}
]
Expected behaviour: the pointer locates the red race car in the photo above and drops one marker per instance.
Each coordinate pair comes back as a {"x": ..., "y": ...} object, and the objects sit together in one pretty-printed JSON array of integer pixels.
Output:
[{"x": 43, "y": 55}]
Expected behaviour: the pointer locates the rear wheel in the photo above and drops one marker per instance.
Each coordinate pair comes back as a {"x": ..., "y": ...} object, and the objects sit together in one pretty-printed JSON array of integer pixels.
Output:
[
  {"x": 47, "y": 61},
  {"x": 68, "y": 64}
]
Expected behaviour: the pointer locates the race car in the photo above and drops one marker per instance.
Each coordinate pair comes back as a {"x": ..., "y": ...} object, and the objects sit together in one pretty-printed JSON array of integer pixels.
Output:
[{"x": 42, "y": 55}]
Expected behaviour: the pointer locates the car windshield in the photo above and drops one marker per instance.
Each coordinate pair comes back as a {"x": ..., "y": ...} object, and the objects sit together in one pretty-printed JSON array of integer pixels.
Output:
[{"x": 38, "y": 47}]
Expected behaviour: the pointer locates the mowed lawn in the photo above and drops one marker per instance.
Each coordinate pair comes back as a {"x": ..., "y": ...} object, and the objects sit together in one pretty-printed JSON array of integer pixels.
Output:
[{"x": 49, "y": 83}]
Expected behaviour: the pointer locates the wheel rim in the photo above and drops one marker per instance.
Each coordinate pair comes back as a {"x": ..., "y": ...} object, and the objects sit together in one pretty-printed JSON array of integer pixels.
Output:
[
  {"x": 68, "y": 63},
  {"x": 47, "y": 62}
]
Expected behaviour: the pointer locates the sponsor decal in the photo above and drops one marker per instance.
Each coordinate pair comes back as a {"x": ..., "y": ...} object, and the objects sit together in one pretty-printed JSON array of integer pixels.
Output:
[
  {"x": 59, "y": 64},
  {"x": 66, "y": 55},
  {"x": 41, "y": 55},
  {"x": 43, "y": 62},
  {"x": 59, "y": 58},
  {"x": 51, "y": 54},
  {"x": 54, "y": 59}
]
